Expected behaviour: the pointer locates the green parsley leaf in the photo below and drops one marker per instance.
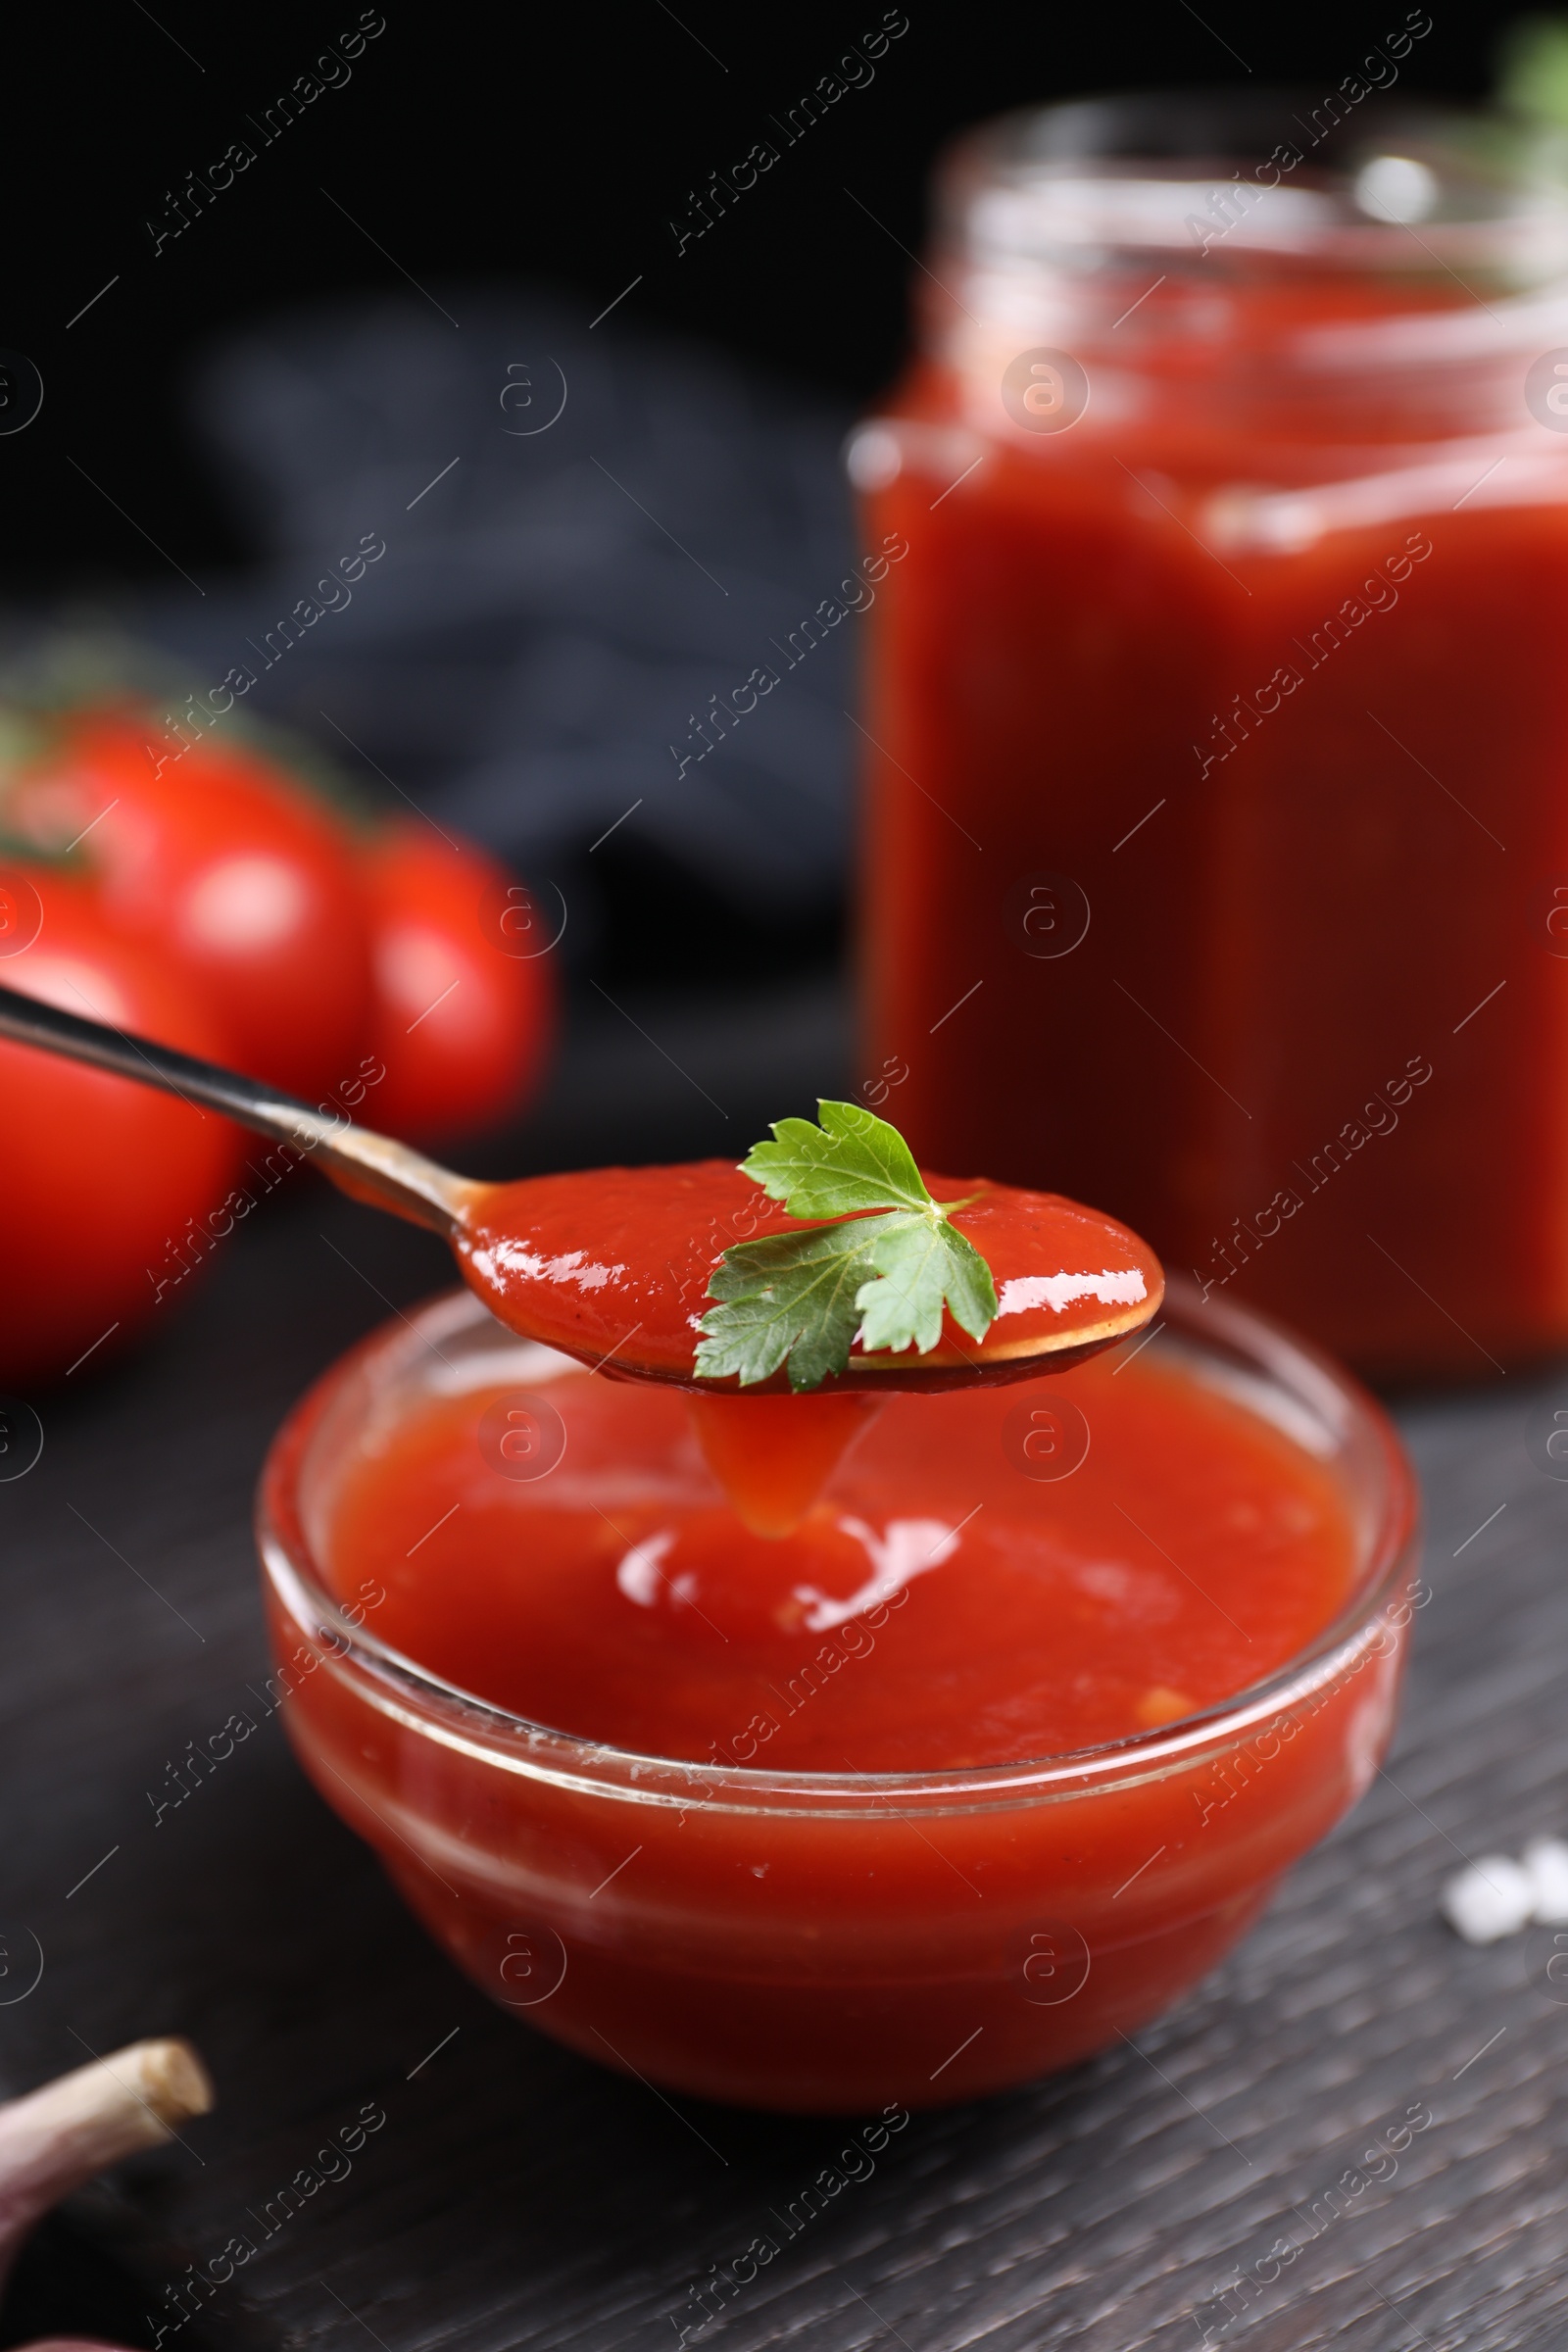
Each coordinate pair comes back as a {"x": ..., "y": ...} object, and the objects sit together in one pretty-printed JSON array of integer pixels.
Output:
[
  {"x": 924, "y": 1263},
  {"x": 1533, "y": 79},
  {"x": 886, "y": 1274},
  {"x": 853, "y": 1160},
  {"x": 792, "y": 1294}
]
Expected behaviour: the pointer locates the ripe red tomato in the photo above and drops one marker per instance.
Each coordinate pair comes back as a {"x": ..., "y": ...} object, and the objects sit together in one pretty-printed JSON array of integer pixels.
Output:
[
  {"x": 460, "y": 1018},
  {"x": 230, "y": 871},
  {"x": 103, "y": 1185}
]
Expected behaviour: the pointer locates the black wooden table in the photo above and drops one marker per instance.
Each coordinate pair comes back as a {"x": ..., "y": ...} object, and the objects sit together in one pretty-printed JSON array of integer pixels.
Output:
[{"x": 516, "y": 2194}]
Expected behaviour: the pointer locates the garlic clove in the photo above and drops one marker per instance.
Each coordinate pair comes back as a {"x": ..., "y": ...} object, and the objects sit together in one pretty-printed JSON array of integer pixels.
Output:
[{"x": 57, "y": 2137}]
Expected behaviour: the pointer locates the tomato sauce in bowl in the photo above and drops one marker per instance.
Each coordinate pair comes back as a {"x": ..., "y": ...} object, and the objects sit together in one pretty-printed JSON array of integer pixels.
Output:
[{"x": 985, "y": 1762}]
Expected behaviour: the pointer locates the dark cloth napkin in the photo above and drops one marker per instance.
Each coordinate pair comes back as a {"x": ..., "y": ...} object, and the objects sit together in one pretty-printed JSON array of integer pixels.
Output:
[{"x": 590, "y": 532}]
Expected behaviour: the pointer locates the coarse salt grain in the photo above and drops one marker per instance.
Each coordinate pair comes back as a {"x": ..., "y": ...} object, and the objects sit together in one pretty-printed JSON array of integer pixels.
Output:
[
  {"x": 1494, "y": 1898},
  {"x": 1545, "y": 1860}
]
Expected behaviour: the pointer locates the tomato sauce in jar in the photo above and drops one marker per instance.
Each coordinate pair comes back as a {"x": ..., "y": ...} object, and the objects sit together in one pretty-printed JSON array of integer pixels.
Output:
[{"x": 1217, "y": 841}]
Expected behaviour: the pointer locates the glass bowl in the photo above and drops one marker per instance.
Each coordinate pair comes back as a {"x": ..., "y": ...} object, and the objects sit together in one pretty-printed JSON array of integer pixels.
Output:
[{"x": 775, "y": 1946}]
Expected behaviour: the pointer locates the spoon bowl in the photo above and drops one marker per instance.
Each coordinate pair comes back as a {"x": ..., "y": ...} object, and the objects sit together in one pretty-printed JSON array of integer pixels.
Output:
[{"x": 612, "y": 1266}]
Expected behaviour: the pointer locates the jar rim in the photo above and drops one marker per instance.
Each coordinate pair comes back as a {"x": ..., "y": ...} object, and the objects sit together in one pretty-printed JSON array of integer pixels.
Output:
[
  {"x": 443, "y": 1712},
  {"x": 1409, "y": 187}
]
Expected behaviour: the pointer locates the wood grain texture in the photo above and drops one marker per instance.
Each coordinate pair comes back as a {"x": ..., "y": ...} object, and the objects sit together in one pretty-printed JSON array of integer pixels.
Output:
[{"x": 518, "y": 2197}]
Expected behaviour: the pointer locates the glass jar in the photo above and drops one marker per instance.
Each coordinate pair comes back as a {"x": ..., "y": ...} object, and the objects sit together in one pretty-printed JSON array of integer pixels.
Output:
[
  {"x": 1217, "y": 817},
  {"x": 823, "y": 1941}
]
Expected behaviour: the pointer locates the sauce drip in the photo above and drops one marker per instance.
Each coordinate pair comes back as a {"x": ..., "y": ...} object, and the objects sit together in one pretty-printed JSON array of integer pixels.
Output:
[{"x": 773, "y": 1455}]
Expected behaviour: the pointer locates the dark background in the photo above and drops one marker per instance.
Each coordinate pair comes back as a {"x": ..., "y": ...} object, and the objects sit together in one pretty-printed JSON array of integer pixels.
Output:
[{"x": 544, "y": 144}]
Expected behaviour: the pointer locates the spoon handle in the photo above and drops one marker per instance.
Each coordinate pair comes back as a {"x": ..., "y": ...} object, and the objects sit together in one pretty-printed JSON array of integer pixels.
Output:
[{"x": 371, "y": 1167}]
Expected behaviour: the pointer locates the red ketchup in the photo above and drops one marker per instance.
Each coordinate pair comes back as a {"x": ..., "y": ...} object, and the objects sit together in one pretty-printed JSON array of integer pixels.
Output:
[
  {"x": 944, "y": 1786},
  {"x": 1217, "y": 843}
]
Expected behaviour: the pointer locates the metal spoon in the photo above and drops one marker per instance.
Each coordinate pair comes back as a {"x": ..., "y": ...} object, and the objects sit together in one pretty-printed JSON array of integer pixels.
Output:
[{"x": 374, "y": 1169}]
